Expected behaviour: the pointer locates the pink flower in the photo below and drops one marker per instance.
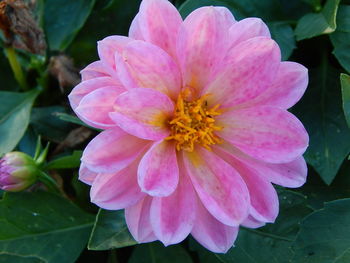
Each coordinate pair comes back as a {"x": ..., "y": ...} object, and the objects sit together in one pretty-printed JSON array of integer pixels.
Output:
[{"x": 196, "y": 127}]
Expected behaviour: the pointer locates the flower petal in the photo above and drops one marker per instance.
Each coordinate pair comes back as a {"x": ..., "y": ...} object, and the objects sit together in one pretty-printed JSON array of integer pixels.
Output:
[
  {"x": 173, "y": 217},
  {"x": 219, "y": 186},
  {"x": 250, "y": 68},
  {"x": 266, "y": 133},
  {"x": 117, "y": 190},
  {"x": 95, "y": 107},
  {"x": 247, "y": 28},
  {"x": 159, "y": 23},
  {"x": 94, "y": 70},
  {"x": 88, "y": 86},
  {"x": 149, "y": 67},
  {"x": 138, "y": 220},
  {"x": 143, "y": 113},
  {"x": 288, "y": 87},
  {"x": 251, "y": 222},
  {"x": 135, "y": 30},
  {"x": 292, "y": 174},
  {"x": 108, "y": 46},
  {"x": 263, "y": 197},
  {"x": 202, "y": 44},
  {"x": 158, "y": 172},
  {"x": 112, "y": 150},
  {"x": 85, "y": 175},
  {"x": 211, "y": 233}
]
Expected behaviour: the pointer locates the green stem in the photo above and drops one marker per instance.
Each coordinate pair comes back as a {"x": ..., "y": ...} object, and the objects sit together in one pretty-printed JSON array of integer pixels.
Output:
[
  {"x": 49, "y": 182},
  {"x": 16, "y": 67}
]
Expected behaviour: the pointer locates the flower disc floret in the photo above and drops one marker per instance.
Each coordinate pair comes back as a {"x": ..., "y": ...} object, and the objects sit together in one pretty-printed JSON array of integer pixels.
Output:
[{"x": 194, "y": 123}]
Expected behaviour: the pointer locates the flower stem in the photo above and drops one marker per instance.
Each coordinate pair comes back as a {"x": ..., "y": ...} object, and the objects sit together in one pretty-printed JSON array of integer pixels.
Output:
[
  {"x": 16, "y": 67},
  {"x": 49, "y": 182}
]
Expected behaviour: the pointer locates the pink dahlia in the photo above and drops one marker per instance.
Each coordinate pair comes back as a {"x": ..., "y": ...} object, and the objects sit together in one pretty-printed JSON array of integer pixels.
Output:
[{"x": 196, "y": 127}]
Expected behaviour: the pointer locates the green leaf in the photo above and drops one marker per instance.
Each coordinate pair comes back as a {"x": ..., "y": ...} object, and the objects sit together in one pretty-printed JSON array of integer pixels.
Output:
[
  {"x": 271, "y": 243},
  {"x": 110, "y": 231},
  {"x": 315, "y": 24},
  {"x": 157, "y": 253},
  {"x": 45, "y": 122},
  {"x": 72, "y": 119},
  {"x": 321, "y": 112},
  {"x": 65, "y": 162},
  {"x": 341, "y": 37},
  {"x": 14, "y": 117},
  {"x": 63, "y": 20},
  {"x": 345, "y": 90},
  {"x": 283, "y": 33},
  {"x": 324, "y": 235},
  {"x": 18, "y": 259},
  {"x": 43, "y": 226}
]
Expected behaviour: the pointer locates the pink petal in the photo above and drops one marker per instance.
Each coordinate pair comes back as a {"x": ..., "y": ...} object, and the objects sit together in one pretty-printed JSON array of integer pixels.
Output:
[
  {"x": 112, "y": 150},
  {"x": 173, "y": 217},
  {"x": 251, "y": 222},
  {"x": 158, "y": 172},
  {"x": 94, "y": 70},
  {"x": 90, "y": 85},
  {"x": 292, "y": 174},
  {"x": 219, "y": 186},
  {"x": 135, "y": 30},
  {"x": 211, "y": 233},
  {"x": 250, "y": 68},
  {"x": 266, "y": 133},
  {"x": 202, "y": 44},
  {"x": 138, "y": 220},
  {"x": 288, "y": 87},
  {"x": 247, "y": 28},
  {"x": 149, "y": 67},
  {"x": 143, "y": 113},
  {"x": 108, "y": 46},
  {"x": 117, "y": 190},
  {"x": 229, "y": 19},
  {"x": 159, "y": 23},
  {"x": 263, "y": 197},
  {"x": 95, "y": 107},
  {"x": 85, "y": 175}
]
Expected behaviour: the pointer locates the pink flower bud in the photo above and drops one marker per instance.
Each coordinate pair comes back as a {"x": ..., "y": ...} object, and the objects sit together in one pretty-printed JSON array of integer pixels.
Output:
[{"x": 17, "y": 171}]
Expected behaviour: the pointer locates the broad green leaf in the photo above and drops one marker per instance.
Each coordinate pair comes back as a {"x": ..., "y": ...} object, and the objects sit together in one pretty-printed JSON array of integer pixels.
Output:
[
  {"x": 18, "y": 259},
  {"x": 45, "y": 122},
  {"x": 324, "y": 235},
  {"x": 14, "y": 117},
  {"x": 72, "y": 119},
  {"x": 157, "y": 253},
  {"x": 341, "y": 37},
  {"x": 63, "y": 20},
  {"x": 42, "y": 226},
  {"x": 110, "y": 231},
  {"x": 271, "y": 243},
  {"x": 65, "y": 162},
  {"x": 283, "y": 33},
  {"x": 315, "y": 24},
  {"x": 321, "y": 112},
  {"x": 345, "y": 90}
]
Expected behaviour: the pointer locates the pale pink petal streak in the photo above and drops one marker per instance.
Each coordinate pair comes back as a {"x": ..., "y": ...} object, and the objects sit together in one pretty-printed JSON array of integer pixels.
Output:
[
  {"x": 135, "y": 30},
  {"x": 211, "y": 233},
  {"x": 94, "y": 70},
  {"x": 219, "y": 186},
  {"x": 250, "y": 68},
  {"x": 112, "y": 150},
  {"x": 85, "y": 175},
  {"x": 117, "y": 190},
  {"x": 158, "y": 172},
  {"x": 143, "y": 113},
  {"x": 173, "y": 217},
  {"x": 266, "y": 133},
  {"x": 159, "y": 23},
  {"x": 201, "y": 45},
  {"x": 138, "y": 220}
]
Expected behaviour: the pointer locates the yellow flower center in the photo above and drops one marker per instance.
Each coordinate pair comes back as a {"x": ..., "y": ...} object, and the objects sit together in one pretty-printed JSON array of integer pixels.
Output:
[{"x": 193, "y": 123}]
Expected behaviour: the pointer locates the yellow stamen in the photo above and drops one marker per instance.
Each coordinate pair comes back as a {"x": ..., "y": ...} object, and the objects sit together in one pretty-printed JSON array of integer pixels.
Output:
[{"x": 193, "y": 123}]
